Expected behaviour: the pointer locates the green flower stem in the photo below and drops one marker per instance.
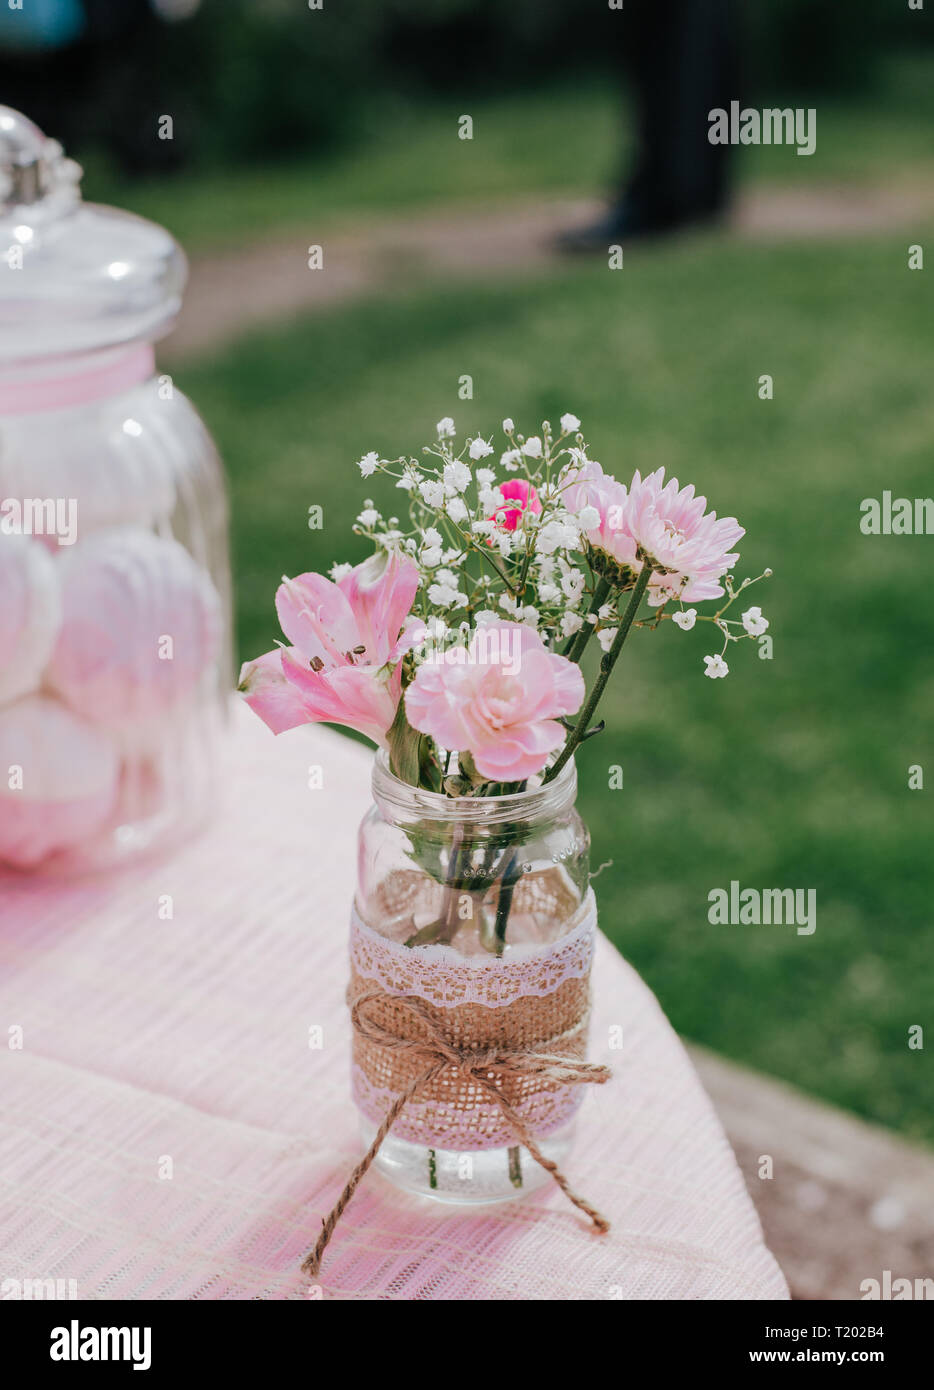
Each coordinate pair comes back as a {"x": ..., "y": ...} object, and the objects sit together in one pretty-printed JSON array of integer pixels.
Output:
[
  {"x": 446, "y": 925},
  {"x": 606, "y": 667},
  {"x": 512, "y": 872},
  {"x": 575, "y": 648},
  {"x": 515, "y": 1166},
  {"x": 511, "y": 875}
]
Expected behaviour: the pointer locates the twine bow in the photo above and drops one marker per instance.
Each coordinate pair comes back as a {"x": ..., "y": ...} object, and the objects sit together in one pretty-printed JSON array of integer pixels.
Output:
[{"x": 483, "y": 1067}]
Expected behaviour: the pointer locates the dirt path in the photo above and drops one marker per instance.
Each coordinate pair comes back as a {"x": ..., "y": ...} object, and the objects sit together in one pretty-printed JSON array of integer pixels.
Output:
[{"x": 269, "y": 282}]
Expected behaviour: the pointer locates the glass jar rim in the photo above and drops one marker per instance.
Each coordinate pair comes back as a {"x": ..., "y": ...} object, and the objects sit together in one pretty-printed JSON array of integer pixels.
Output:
[{"x": 544, "y": 799}]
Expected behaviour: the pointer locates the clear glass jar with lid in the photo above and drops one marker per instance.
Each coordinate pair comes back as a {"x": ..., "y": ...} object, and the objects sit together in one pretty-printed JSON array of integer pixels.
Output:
[{"x": 114, "y": 579}]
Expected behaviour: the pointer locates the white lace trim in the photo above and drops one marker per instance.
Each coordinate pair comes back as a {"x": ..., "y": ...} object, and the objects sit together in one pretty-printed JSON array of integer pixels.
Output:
[{"x": 447, "y": 979}]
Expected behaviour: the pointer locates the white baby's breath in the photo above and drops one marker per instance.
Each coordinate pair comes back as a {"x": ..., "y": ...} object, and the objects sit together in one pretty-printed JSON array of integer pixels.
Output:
[
  {"x": 432, "y": 491},
  {"x": 716, "y": 667},
  {"x": 754, "y": 623},
  {"x": 555, "y": 535},
  {"x": 456, "y": 477}
]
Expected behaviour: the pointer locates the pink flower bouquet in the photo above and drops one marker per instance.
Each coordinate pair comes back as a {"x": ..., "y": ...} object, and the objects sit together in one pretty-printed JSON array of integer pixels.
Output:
[{"x": 457, "y": 645}]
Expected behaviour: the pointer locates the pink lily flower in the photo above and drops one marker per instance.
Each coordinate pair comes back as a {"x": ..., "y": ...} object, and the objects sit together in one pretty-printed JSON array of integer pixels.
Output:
[{"x": 346, "y": 640}]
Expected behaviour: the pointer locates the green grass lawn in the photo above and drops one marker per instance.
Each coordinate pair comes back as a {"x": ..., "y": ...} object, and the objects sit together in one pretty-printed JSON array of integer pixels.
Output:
[
  {"x": 792, "y": 772},
  {"x": 560, "y": 140}
]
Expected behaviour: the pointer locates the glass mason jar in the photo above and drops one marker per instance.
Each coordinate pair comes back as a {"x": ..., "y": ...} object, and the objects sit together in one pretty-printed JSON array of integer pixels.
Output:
[
  {"x": 479, "y": 909},
  {"x": 114, "y": 584}
]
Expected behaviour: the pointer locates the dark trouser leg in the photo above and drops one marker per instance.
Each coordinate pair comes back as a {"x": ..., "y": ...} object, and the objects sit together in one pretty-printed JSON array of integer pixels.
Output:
[{"x": 682, "y": 60}]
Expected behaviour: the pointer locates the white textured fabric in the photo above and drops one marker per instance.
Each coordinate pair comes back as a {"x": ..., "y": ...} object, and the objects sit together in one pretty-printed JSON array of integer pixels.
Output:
[{"x": 175, "y": 1113}]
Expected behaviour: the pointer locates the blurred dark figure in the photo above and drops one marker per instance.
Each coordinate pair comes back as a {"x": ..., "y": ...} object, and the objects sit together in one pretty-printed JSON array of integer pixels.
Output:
[
  {"x": 87, "y": 72},
  {"x": 681, "y": 58}
]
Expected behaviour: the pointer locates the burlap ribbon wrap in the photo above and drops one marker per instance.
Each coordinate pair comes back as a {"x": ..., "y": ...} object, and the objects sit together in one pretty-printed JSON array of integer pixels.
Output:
[{"x": 469, "y": 1053}]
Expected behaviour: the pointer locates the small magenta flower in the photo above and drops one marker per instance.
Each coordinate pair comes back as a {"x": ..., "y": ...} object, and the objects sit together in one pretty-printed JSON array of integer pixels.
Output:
[
  {"x": 716, "y": 667},
  {"x": 516, "y": 491},
  {"x": 754, "y": 623},
  {"x": 686, "y": 619}
]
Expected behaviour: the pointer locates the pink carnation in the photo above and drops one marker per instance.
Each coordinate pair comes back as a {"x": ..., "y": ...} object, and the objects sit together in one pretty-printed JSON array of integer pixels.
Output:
[
  {"x": 344, "y": 637},
  {"x": 497, "y": 699},
  {"x": 517, "y": 490},
  {"x": 661, "y": 520}
]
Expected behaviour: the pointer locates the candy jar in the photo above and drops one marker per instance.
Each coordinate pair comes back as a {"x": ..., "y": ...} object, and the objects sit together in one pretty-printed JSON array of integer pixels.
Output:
[{"x": 114, "y": 578}]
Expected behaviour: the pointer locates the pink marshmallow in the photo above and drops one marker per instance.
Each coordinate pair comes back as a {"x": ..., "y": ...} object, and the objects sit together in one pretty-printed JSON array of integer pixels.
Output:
[
  {"x": 58, "y": 780},
  {"x": 30, "y": 614},
  {"x": 141, "y": 628}
]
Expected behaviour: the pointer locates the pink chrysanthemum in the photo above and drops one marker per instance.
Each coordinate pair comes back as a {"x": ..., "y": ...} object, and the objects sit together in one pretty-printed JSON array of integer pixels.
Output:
[{"x": 688, "y": 547}]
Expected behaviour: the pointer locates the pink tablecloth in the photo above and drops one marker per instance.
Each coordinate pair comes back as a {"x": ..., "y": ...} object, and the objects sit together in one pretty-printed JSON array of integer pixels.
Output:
[{"x": 168, "y": 1132}]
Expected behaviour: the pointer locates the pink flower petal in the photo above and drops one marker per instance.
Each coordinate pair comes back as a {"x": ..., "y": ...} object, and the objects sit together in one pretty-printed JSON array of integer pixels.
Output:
[
  {"x": 355, "y": 696},
  {"x": 317, "y": 618},
  {"x": 380, "y": 593},
  {"x": 270, "y": 695}
]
